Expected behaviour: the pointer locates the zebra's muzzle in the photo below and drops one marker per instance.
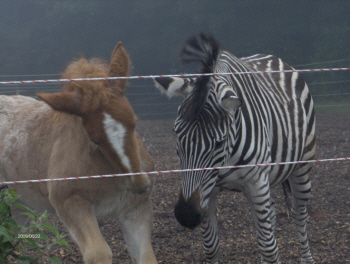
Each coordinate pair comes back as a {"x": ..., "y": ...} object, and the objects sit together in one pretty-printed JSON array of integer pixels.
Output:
[{"x": 188, "y": 212}]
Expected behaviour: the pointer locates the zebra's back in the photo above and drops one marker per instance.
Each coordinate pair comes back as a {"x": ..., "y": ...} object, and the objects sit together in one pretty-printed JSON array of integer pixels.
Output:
[{"x": 278, "y": 102}]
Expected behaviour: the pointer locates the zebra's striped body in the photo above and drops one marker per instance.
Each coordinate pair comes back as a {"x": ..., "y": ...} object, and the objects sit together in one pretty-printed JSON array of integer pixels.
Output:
[{"x": 242, "y": 119}]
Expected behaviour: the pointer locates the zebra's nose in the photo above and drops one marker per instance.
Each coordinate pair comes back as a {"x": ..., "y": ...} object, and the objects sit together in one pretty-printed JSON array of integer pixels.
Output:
[
  {"x": 188, "y": 212},
  {"x": 164, "y": 81}
]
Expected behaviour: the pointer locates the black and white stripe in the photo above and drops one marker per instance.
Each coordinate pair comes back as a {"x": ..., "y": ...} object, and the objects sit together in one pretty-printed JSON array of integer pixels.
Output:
[{"x": 236, "y": 120}]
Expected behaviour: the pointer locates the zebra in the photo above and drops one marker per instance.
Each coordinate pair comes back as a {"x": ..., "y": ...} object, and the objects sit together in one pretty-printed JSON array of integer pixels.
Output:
[{"x": 240, "y": 119}]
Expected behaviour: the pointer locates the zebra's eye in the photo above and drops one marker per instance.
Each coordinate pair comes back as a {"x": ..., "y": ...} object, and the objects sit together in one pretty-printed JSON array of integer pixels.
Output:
[{"x": 219, "y": 142}]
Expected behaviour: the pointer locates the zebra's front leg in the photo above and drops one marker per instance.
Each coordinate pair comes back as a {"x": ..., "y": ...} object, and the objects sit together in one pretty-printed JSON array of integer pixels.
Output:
[
  {"x": 263, "y": 213},
  {"x": 210, "y": 237}
]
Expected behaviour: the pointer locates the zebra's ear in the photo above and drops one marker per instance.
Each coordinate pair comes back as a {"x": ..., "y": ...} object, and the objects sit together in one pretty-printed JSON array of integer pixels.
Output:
[
  {"x": 174, "y": 86},
  {"x": 229, "y": 101}
]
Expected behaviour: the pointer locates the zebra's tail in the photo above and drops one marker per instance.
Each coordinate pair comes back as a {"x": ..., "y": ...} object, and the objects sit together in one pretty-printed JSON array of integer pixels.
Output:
[
  {"x": 286, "y": 191},
  {"x": 204, "y": 49}
]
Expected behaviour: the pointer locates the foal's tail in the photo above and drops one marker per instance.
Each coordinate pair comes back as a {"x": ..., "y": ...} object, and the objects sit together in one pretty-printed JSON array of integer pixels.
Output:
[{"x": 3, "y": 187}]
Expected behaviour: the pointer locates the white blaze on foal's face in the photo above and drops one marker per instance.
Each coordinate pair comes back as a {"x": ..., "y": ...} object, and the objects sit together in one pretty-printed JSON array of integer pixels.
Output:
[{"x": 115, "y": 132}]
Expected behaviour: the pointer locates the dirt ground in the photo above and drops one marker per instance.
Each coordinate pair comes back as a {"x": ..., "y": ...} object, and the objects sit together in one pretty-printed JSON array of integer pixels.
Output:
[{"x": 328, "y": 225}]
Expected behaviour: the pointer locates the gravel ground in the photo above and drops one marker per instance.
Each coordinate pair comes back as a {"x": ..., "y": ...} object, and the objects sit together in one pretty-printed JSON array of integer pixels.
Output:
[{"x": 328, "y": 225}]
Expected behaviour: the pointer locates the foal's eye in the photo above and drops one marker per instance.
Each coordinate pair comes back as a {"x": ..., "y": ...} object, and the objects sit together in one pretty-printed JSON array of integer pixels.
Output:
[{"x": 96, "y": 142}]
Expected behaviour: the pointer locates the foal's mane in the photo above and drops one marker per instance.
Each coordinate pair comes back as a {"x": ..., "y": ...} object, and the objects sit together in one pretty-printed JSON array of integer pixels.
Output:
[
  {"x": 92, "y": 94},
  {"x": 84, "y": 68}
]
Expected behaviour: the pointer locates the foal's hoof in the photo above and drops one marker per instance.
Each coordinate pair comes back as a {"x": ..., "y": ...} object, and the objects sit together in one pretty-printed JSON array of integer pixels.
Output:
[{"x": 140, "y": 184}]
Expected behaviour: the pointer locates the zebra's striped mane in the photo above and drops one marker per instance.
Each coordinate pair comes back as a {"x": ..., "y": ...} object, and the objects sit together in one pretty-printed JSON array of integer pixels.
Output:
[{"x": 204, "y": 49}]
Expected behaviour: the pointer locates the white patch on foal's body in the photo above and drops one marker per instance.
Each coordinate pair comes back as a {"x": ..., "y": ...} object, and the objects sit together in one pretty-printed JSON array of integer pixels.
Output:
[{"x": 115, "y": 132}]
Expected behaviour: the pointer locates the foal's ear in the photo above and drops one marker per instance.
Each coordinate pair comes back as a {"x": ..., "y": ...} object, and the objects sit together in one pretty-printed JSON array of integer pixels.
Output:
[
  {"x": 119, "y": 67},
  {"x": 68, "y": 102}
]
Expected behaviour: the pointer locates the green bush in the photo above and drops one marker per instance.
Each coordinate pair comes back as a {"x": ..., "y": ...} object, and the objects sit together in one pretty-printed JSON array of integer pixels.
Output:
[{"x": 16, "y": 239}]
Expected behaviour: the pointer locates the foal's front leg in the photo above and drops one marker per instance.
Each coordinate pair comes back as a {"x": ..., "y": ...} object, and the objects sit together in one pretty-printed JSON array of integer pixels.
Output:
[
  {"x": 79, "y": 217},
  {"x": 136, "y": 227}
]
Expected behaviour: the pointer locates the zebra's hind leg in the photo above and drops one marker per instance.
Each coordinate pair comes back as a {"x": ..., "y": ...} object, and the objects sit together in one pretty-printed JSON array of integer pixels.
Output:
[
  {"x": 301, "y": 187},
  {"x": 210, "y": 237}
]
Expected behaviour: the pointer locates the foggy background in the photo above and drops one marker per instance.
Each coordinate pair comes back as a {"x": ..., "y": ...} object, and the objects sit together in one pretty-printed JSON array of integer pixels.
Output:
[{"x": 39, "y": 38}]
